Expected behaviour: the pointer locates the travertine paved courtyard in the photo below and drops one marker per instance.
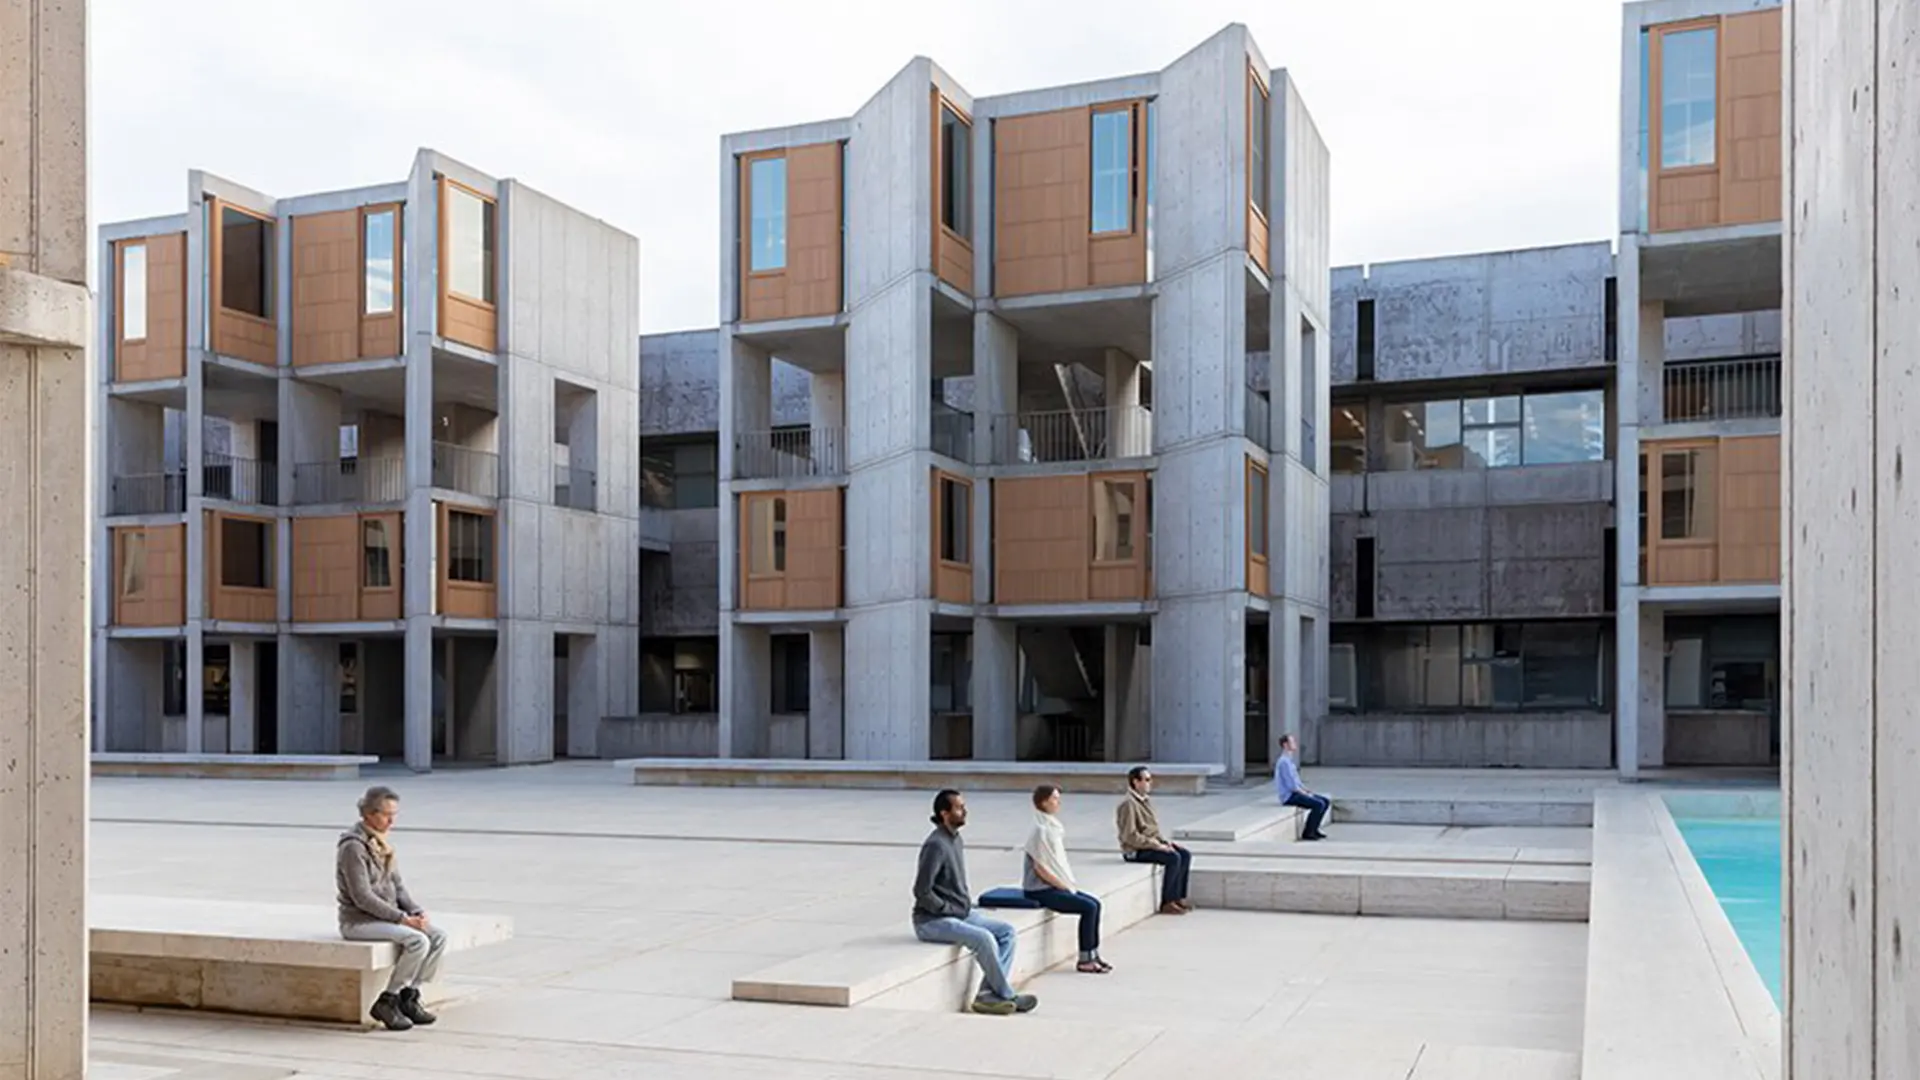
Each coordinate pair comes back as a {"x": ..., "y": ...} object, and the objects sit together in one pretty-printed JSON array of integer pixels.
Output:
[{"x": 634, "y": 908}]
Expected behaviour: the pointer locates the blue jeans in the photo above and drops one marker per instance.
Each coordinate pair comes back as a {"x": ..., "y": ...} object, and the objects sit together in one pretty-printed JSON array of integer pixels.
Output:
[
  {"x": 1178, "y": 863},
  {"x": 990, "y": 941},
  {"x": 1074, "y": 903},
  {"x": 1316, "y": 807}
]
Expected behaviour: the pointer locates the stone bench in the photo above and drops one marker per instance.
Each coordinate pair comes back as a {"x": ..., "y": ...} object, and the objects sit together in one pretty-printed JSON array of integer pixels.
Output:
[
  {"x": 1390, "y": 810},
  {"x": 274, "y": 960},
  {"x": 1547, "y": 892},
  {"x": 233, "y": 766},
  {"x": 1263, "y": 820},
  {"x": 897, "y": 970},
  {"x": 1077, "y": 777}
]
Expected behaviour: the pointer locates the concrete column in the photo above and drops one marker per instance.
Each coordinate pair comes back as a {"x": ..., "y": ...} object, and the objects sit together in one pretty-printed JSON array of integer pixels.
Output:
[
  {"x": 1650, "y": 707},
  {"x": 827, "y": 399},
  {"x": 996, "y": 382},
  {"x": 1641, "y": 367},
  {"x": 1851, "y": 541},
  {"x": 890, "y": 682},
  {"x": 996, "y": 688},
  {"x": 309, "y": 721},
  {"x": 524, "y": 670},
  {"x": 420, "y": 664},
  {"x": 746, "y": 689},
  {"x": 826, "y": 693},
  {"x": 1127, "y": 735},
  {"x": 243, "y": 683},
  {"x": 44, "y": 416},
  {"x": 586, "y": 694},
  {"x": 1131, "y": 432},
  {"x": 196, "y": 719}
]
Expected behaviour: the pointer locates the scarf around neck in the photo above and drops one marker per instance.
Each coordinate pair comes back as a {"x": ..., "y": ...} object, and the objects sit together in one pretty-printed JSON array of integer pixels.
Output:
[
  {"x": 381, "y": 847},
  {"x": 1047, "y": 847}
]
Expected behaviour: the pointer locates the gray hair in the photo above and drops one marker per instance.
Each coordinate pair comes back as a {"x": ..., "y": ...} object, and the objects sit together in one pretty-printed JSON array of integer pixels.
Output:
[{"x": 376, "y": 797}]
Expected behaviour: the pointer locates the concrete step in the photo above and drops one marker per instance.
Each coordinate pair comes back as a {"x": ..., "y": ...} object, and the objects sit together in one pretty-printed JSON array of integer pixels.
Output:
[
  {"x": 1077, "y": 777},
  {"x": 1568, "y": 810},
  {"x": 1264, "y": 820},
  {"x": 1433, "y": 890}
]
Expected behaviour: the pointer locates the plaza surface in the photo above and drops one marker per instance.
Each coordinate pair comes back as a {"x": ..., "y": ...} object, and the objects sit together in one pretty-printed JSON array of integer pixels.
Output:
[{"x": 635, "y": 908}]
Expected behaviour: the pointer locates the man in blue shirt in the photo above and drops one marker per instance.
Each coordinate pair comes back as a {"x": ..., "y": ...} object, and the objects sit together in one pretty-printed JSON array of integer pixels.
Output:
[{"x": 1286, "y": 783}]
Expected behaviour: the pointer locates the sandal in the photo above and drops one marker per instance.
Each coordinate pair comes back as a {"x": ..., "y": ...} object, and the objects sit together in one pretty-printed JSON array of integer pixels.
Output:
[
  {"x": 1092, "y": 967},
  {"x": 1104, "y": 966}
]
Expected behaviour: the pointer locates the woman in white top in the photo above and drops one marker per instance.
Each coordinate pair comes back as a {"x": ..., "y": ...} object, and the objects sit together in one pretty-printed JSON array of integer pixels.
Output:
[{"x": 1048, "y": 878}]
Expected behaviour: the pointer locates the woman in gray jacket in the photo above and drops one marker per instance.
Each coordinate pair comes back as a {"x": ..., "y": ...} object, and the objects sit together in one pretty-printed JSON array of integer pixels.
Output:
[{"x": 375, "y": 906}]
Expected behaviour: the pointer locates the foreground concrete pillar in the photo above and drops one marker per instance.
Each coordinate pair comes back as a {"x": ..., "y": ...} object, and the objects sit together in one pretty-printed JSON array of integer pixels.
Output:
[
  {"x": 45, "y": 382},
  {"x": 1851, "y": 974}
]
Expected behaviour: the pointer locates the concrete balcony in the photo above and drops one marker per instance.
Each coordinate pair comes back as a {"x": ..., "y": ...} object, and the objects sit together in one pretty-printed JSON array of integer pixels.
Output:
[
  {"x": 459, "y": 468},
  {"x": 148, "y": 493},
  {"x": 1704, "y": 391},
  {"x": 1062, "y": 435},
  {"x": 790, "y": 453},
  {"x": 377, "y": 481}
]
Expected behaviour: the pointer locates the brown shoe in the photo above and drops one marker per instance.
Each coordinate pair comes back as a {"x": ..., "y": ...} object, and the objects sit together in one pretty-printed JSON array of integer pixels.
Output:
[
  {"x": 1172, "y": 908},
  {"x": 1185, "y": 905}
]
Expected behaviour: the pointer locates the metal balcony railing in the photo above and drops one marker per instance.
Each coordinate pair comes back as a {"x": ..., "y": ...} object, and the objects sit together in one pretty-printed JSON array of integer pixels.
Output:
[
  {"x": 952, "y": 432},
  {"x": 790, "y": 452},
  {"x": 350, "y": 480},
  {"x": 1117, "y": 431},
  {"x": 149, "y": 493},
  {"x": 457, "y": 468},
  {"x": 1259, "y": 418},
  {"x": 1742, "y": 388},
  {"x": 574, "y": 487},
  {"x": 241, "y": 480}
]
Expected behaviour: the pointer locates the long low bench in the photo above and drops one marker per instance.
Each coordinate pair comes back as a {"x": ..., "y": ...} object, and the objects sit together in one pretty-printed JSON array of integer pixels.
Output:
[
  {"x": 1573, "y": 811},
  {"x": 233, "y": 766},
  {"x": 1548, "y": 892},
  {"x": 1077, "y": 777},
  {"x": 1262, "y": 820},
  {"x": 275, "y": 960},
  {"x": 897, "y": 970}
]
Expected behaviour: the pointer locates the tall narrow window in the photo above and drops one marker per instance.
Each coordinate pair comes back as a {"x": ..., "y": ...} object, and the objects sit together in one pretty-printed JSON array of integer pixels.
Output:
[
  {"x": 376, "y": 555},
  {"x": 1363, "y": 342},
  {"x": 1610, "y": 296},
  {"x": 956, "y": 173},
  {"x": 1646, "y": 89},
  {"x": 767, "y": 192},
  {"x": 246, "y": 554},
  {"x": 767, "y": 536},
  {"x": 1686, "y": 513},
  {"x": 1259, "y": 119},
  {"x": 1113, "y": 171},
  {"x": 246, "y": 263},
  {"x": 349, "y": 677},
  {"x": 1363, "y": 577},
  {"x": 133, "y": 563},
  {"x": 133, "y": 292},
  {"x": 378, "y": 245},
  {"x": 956, "y": 521},
  {"x": 1688, "y": 63},
  {"x": 1257, "y": 512},
  {"x": 470, "y": 244},
  {"x": 1113, "y": 510},
  {"x": 470, "y": 547},
  {"x": 1309, "y": 396}
]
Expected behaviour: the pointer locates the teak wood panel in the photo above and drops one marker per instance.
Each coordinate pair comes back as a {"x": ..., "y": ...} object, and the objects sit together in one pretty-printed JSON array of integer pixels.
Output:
[
  {"x": 1750, "y": 111},
  {"x": 463, "y": 599},
  {"x": 952, "y": 581},
  {"x": 1749, "y": 510},
  {"x": 162, "y": 598},
  {"x": 467, "y": 320},
  {"x": 1042, "y": 540},
  {"x": 809, "y": 282},
  {"x": 326, "y": 288},
  {"x": 812, "y": 578},
  {"x": 1258, "y": 564},
  {"x": 326, "y": 568},
  {"x": 1120, "y": 258},
  {"x": 1694, "y": 560},
  {"x": 237, "y": 334},
  {"x": 1257, "y": 231},
  {"x": 234, "y": 603},
  {"x": 1120, "y": 579},
  {"x": 383, "y": 603},
  {"x": 162, "y": 353},
  {"x": 1042, "y": 184},
  {"x": 952, "y": 253}
]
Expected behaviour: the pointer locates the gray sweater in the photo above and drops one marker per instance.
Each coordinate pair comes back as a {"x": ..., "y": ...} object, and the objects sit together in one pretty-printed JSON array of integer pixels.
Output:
[
  {"x": 368, "y": 890},
  {"x": 940, "y": 884}
]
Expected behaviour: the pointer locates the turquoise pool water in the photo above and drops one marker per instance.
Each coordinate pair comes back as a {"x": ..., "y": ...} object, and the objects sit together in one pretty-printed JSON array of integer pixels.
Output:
[{"x": 1741, "y": 860}]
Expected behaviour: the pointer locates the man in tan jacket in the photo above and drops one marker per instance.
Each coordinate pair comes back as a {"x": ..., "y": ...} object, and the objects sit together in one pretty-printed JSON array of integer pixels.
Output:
[{"x": 1142, "y": 842}]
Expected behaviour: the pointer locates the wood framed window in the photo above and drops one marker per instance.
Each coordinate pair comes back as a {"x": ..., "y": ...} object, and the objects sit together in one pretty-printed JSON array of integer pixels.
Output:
[
  {"x": 149, "y": 575},
  {"x": 469, "y": 239},
  {"x": 1711, "y": 122},
  {"x": 466, "y": 542},
  {"x": 132, "y": 562},
  {"x": 1115, "y": 170},
  {"x": 766, "y": 535},
  {"x": 470, "y": 547},
  {"x": 953, "y": 193},
  {"x": 1680, "y": 484},
  {"x": 150, "y": 308},
  {"x": 1116, "y": 512},
  {"x": 1258, "y": 553},
  {"x": 791, "y": 240},
  {"x": 243, "y": 582},
  {"x": 765, "y": 208},
  {"x": 132, "y": 292},
  {"x": 952, "y": 538},
  {"x": 376, "y": 553},
  {"x": 243, "y": 279},
  {"x": 790, "y": 549},
  {"x": 1259, "y": 166},
  {"x": 1686, "y": 493},
  {"x": 379, "y": 260}
]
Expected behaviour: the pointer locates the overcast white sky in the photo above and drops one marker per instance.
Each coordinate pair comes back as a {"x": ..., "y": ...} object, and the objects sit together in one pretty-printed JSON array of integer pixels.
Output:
[{"x": 1465, "y": 126}]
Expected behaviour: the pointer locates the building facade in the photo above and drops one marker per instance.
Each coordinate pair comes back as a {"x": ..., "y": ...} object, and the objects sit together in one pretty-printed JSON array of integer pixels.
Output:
[
  {"x": 366, "y": 473},
  {"x": 1037, "y": 508},
  {"x": 1698, "y": 481}
]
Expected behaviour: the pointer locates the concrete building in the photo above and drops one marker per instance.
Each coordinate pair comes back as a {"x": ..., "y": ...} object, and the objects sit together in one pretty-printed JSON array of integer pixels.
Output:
[
  {"x": 44, "y": 398},
  {"x": 1851, "y": 973},
  {"x": 1698, "y": 480},
  {"x": 365, "y": 473},
  {"x": 1037, "y": 507}
]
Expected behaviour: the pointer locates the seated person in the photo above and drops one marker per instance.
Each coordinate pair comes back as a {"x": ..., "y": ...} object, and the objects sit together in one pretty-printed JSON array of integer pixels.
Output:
[
  {"x": 1286, "y": 784},
  {"x": 1142, "y": 841},
  {"x": 943, "y": 910},
  {"x": 1048, "y": 878},
  {"x": 375, "y": 906}
]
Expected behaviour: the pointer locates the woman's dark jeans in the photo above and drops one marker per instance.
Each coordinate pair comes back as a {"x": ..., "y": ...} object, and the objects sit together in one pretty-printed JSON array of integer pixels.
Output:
[{"x": 1074, "y": 903}]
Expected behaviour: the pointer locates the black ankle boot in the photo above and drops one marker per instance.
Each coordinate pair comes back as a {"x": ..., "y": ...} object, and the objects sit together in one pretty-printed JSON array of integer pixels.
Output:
[
  {"x": 410, "y": 1007},
  {"x": 388, "y": 1011}
]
